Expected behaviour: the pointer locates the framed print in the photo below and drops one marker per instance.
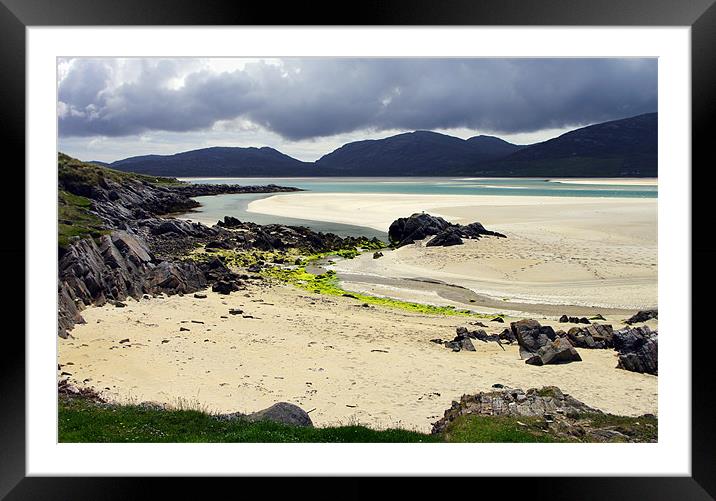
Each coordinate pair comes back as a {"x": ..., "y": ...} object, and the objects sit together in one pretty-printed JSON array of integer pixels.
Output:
[{"x": 422, "y": 244}]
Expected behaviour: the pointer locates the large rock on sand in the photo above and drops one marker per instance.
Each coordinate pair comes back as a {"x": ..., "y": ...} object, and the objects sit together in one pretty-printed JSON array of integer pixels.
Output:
[
  {"x": 446, "y": 238},
  {"x": 406, "y": 230},
  {"x": 595, "y": 336},
  {"x": 283, "y": 412},
  {"x": 559, "y": 351},
  {"x": 642, "y": 316},
  {"x": 638, "y": 350},
  {"x": 531, "y": 336}
]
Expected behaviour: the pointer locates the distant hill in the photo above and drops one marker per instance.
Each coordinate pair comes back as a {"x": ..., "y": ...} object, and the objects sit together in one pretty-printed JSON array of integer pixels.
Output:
[
  {"x": 420, "y": 153},
  {"x": 626, "y": 147},
  {"x": 218, "y": 162}
]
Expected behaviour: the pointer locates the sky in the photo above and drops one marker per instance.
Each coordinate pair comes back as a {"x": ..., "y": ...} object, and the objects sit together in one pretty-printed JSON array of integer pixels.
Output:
[{"x": 113, "y": 108}]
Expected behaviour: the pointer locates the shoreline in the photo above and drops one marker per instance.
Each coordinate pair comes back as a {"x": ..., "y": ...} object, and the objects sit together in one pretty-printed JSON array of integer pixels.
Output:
[
  {"x": 609, "y": 181},
  {"x": 576, "y": 251}
]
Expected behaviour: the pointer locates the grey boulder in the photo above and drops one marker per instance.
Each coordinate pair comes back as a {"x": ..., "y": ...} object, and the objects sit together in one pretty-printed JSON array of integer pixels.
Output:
[
  {"x": 283, "y": 412},
  {"x": 559, "y": 351},
  {"x": 531, "y": 336}
]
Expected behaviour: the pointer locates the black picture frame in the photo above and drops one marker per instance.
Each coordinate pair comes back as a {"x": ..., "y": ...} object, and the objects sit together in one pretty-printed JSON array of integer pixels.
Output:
[{"x": 700, "y": 15}]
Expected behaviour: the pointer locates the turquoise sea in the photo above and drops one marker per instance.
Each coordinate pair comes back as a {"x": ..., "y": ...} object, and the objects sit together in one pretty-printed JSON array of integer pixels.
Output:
[{"x": 216, "y": 207}]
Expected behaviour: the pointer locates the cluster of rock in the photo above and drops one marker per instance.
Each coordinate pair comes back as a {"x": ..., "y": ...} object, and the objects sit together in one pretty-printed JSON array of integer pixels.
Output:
[
  {"x": 560, "y": 415},
  {"x": 540, "y": 345},
  {"x": 118, "y": 266},
  {"x": 202, "y": 190},
  {"x": 407, "y": 230},
  {"x": 638, "y": 349},
  {"x": 463, "y": 339},
  {"x": 595, "y": 336},
  {"x": 513, "y": 402},
  {"x": 277, "y": 237},
  {"x": 574, "y": 320}
]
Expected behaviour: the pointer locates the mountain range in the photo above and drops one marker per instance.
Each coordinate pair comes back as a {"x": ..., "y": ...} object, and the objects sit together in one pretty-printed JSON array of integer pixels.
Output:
[{"x": 626, "y": 147}]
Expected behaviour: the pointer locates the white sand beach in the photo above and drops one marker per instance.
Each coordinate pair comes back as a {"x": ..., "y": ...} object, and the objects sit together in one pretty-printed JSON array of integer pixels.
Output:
[
  {"x": 343, "y": 362},
  {"x": 559, "y": 250}
]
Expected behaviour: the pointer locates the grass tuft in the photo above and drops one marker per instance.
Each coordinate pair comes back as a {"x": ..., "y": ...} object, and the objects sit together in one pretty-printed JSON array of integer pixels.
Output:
[{"x": 476, "y": 428}]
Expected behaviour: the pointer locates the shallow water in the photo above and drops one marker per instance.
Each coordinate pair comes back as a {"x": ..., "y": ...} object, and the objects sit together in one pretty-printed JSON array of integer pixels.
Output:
[
  {"x": 446, "y": 186},
  {"x": 215, "y": 208}
]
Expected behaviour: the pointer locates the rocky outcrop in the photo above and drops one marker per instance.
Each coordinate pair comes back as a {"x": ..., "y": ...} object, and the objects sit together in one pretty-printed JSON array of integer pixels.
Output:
[
  {"x": 531, "y": 336},
  {"x": 406, "y": 230},
  {"x": 270, "y": 237},
  {"x": 513, "y": 402},
  {"x": 540, "y": 345},
  {"x": 117, "y": 266},
  {"x": 203, "y": 190},
  {"x": 642, "y": 316},
  {"x": 559, "y": 351},
  {"x": 446, "y": 238},
  {"x": 143, "y": 252},
  {"x": 594, "y": 336},
  {"x": 545, "y": 412},
  {"x": 463, "y": 339},
  {"x": 122, "y": 200},
  {"x": 638, "y": 349}
]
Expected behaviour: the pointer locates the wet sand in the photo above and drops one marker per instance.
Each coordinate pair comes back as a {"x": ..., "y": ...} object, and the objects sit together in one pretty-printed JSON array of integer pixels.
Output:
[{"x": 560, "y": 251}]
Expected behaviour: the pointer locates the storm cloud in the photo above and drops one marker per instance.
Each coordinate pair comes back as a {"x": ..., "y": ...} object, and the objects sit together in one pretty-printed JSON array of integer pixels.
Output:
[{"x": 309, "y": 98}]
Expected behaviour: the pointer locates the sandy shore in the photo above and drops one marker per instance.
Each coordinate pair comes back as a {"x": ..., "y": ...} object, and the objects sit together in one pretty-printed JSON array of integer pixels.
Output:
[
  {"x": 345, "y": 362},
  {"x": 585, "y": 252}
]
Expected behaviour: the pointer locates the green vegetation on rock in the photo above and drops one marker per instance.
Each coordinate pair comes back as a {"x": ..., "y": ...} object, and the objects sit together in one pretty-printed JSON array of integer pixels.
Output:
[
  {"x": 641, "y": 428},
  {"x": 476, "y": 428},
  {"x": 325, "y": 283},
  {"x": 75, "y": 220}
]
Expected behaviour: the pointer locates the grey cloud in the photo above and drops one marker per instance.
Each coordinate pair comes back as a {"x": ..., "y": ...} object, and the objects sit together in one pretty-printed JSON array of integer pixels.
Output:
[{"x": 309, "y": 98}]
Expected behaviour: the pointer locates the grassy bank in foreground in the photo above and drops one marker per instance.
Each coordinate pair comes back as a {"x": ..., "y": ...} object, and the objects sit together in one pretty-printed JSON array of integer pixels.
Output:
[{"x": 84, "y": 420}]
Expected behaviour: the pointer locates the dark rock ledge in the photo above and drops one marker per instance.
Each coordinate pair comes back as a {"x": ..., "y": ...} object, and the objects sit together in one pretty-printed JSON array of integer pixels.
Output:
[{"x": 407, "y": 230}]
